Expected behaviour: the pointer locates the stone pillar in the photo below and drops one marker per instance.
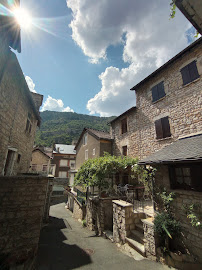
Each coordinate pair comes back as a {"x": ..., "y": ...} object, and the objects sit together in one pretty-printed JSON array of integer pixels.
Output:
[
  {"x": 150, "y": 239},
  {"x": 123, "y": 220}
]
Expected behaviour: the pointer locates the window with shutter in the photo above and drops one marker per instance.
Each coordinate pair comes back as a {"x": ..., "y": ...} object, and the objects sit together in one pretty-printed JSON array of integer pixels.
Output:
[
  {"x": 158, "y": 91},
  {"x": 124, "y": 150},
  {"x": 189, "y": 73},
  {"x": 124, "y": 127},
  {"x": 162, "y": 128}
]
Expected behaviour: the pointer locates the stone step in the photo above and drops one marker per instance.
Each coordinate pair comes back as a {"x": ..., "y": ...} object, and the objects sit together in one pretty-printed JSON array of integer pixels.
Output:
[
  {"x": 138, "y": 236},
  {"x": 139, "y": 227},
  {"x": 136, "y": 245}
]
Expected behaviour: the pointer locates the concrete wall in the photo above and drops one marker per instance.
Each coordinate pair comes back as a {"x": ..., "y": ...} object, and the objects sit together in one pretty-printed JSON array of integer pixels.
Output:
[
  {"x": 100, "y": 147},
  {"x": 56, "y": 160},
  {"x": 22, "y": 209},
  {"x": 14, "y": 109}
]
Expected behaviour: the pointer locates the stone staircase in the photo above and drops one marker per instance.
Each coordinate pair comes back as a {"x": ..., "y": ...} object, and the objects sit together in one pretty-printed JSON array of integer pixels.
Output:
[{"x": 136, "y": 238}]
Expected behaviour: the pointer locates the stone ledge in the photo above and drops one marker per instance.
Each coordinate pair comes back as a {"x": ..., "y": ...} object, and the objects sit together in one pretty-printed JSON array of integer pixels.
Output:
[
  {"x": 122, "y": 203},
  {"x": 148, "y": 221}
]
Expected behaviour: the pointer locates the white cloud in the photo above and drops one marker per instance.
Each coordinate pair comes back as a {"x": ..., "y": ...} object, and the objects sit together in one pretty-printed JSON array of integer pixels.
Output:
[
  {"x": 148, "y": 36},
  {"x": 52, "y": 104},
  {"x": 30, "y": 84}
]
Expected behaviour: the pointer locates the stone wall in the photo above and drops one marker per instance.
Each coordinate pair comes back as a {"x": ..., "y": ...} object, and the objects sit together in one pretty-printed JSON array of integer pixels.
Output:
[
  {"x": 151, "y": 242},
  {"x": 15, "y": 104},
  {"x": 182, "y": 104},
  {"x": 192, "y": 236},
  {"x": 78, "y": 210},
  {"x": 22, "y": 208},
  {"x": 99, "y": 214}
]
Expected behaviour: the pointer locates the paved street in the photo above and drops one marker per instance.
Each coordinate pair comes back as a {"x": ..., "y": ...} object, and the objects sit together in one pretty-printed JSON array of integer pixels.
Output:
[{"x": 65, "y": 244}]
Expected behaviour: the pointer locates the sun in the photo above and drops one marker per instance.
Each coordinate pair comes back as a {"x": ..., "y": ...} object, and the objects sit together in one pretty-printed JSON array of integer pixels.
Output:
[{"x": 23, "y": 18}]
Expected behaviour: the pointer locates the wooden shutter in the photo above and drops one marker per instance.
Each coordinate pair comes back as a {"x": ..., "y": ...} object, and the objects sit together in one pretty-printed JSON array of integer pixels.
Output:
[
  {"x": 159, "y": 130},
  {"x": 161, "y": 91},
  {"x": 165, "y": 127},
  {"x": 155, "y": 93},
  {"x": 124, "y": 149},
  {"x": 193, "y": 71},
  {"x": 124, "y": 125},
  {"x": 185, "y": 75}
]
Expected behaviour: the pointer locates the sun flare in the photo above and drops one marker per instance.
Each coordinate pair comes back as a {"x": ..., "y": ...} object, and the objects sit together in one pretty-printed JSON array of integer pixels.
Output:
[{"x": 23, "y": 18}]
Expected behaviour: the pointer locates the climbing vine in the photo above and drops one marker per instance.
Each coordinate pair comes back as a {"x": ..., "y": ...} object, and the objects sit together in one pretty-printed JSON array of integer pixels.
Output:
[{"x": 193, "y": 214}]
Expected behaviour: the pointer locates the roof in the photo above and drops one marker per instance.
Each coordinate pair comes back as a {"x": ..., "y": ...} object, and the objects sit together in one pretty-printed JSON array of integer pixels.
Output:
[
  {"x": 186, "y": 149},
  {"x": 98, "y": 134},
  {"x": 125, "y": 113},
  {"x": 40, "y": 150},
  {"x": 64, "y": 149},
  {"x": 172, "y": 60},
  {"x": 192, "y": 10}
]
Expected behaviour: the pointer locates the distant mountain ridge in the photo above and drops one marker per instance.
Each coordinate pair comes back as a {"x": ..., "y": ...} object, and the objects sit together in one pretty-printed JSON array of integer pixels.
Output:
[{"x": 64, "y": 127}]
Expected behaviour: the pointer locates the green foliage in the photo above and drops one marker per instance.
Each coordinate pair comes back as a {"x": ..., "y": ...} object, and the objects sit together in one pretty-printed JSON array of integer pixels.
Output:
[
  {"x": 165, "y": 226},
  {"x": 84, "y": 223},
  {"x": 144, "y": 175},
  {"x": 95, "y": 171},
  {"x": 172, "y": 9},
  {"x": 64, "y": 127},
  {"x": 193, "y": 214},
  {"x": 166, "y": 199}
]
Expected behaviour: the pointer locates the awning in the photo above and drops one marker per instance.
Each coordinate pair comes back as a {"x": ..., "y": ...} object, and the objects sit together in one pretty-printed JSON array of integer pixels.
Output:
[{"x": 187, "y": 149}]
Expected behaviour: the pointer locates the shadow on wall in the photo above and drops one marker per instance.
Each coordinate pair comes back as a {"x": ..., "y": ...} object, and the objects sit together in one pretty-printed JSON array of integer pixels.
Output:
[{"x": 54, "y": 253}]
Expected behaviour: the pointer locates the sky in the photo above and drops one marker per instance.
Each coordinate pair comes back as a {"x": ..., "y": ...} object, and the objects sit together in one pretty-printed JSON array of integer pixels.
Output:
[{"x": 84, "y": 56}]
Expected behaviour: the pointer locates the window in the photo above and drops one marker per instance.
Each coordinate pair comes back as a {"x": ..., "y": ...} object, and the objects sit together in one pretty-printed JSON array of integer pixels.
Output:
[
  {"x": 63, "y": 163},
  {"x": 72, "y": 165},
  {"x": 124, "y": 150},
  {"x": 45, "y": 168},
  {"x": 62, "y": 174},
  {"x": 124, "y": 127},
  {"x": 18, "y": 158},
  {"x": 86, "y": 154},
  {"x": 29, "y": 123},
  {"x": 162, "y": 128},
  {"x": 85, "y": 139},
  {"x": 158, "y": 91},
  {"x": 189, "y": 73},
  {"x": 186, "y": 176},
  {"x": 34, "y": 167},
  {"x": 93, "y": 151}
]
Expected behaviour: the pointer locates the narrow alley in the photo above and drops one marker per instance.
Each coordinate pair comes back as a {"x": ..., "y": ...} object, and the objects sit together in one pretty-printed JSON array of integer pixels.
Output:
[{"x": 65, "y": 244}]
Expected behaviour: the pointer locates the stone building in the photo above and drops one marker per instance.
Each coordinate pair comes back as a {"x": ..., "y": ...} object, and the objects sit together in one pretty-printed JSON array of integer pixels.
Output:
[
  {"x": 41, "y": 161},
  {"x": 18, "y": 113},
  {"x": 92, "y": 144},
  {"x": 168, "y": 109},
  {"x": 124, "y": 132}
]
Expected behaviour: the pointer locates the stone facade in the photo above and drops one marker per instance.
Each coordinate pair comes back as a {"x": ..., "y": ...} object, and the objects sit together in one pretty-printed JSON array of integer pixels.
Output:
[
  {"x": 24, "y": 204},
  {"x": 129, "y": 138},
  {"x": 16, "y": 106},
  {"x": 40, "y": 161},
  {"x": 99, "y": 214},
  {"x": 192, "y": 237},
  {"x": 182, "y": 104}
]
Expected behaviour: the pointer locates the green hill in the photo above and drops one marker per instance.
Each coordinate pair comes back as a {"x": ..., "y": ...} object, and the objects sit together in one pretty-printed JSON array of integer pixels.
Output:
[{"x": 64, "y": 127}]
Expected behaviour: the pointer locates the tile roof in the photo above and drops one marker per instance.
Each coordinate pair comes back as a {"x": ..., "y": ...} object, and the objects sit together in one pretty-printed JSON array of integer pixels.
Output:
[
  {"x": 64, "y": 149},
  {"x": 183, "y": 150}
]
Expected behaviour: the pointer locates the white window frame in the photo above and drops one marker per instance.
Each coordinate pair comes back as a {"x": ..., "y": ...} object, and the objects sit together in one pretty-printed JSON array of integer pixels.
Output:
[
  {"x": 86, "y": 154},
  {"x": 85, "y": 138}
]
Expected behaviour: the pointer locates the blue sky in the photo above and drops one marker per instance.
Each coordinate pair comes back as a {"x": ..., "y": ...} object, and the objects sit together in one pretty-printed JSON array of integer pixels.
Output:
[{"x": 90, "y": 66}]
